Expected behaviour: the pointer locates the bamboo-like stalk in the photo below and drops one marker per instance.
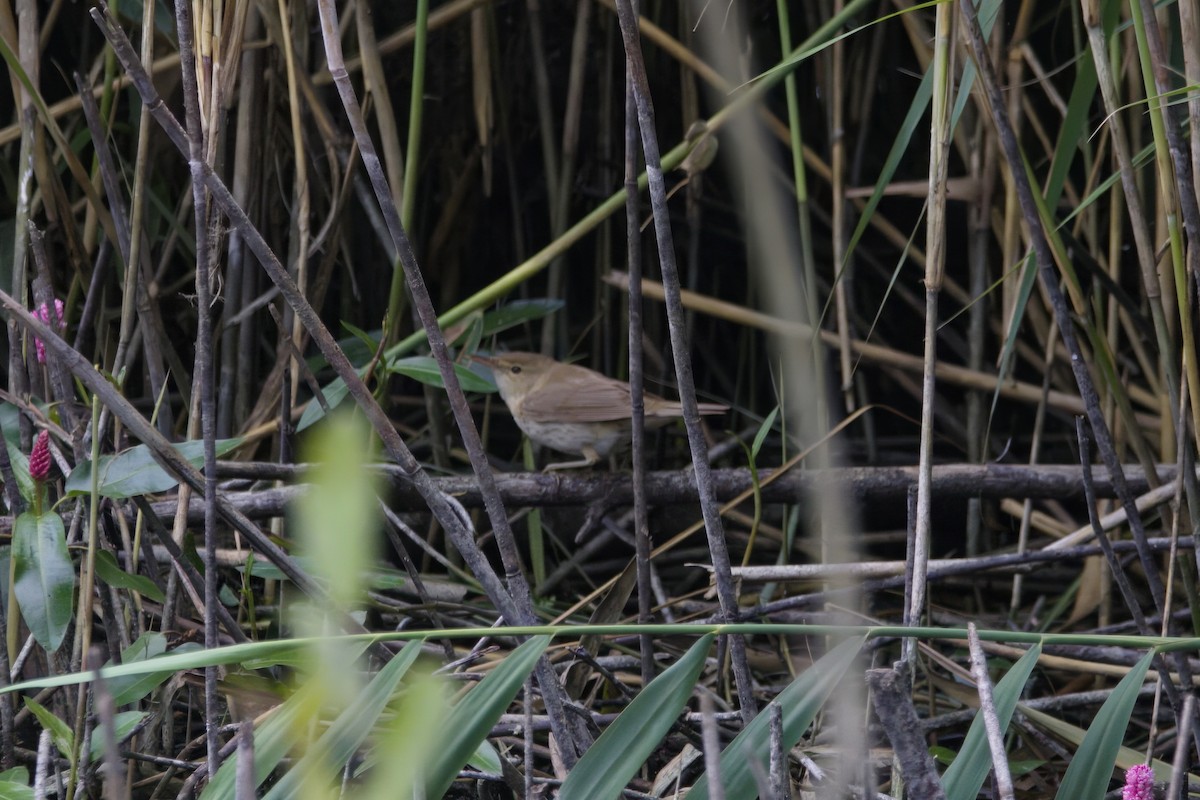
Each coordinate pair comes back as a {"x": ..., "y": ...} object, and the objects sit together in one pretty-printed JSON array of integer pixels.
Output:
[
  {"x": 838, "y": 233},
  {"x": 18, "y": 377},
  {"x": 1176, "y": 190},
  {"x": 235, "y": 372},
  {"x": 803, "y": 217},
  {"x": 134, "y": 255},
  {"x": 561, "y": 194},
  {"x": 1035, "y": 445},
  {"x": 1120, "y": 578},
  {"x": 935, "y": 250},
  {"x": 408, "y": 194},
  {"x": 1167, "y": 351},
  {"x": 300, "y": 235},
  {"x": 375, "y": 83}
]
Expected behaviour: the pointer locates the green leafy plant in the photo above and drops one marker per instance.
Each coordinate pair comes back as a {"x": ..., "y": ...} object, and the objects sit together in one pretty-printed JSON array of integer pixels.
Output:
[
  {"x": 135, "y": 472},
  {"x": 43, "y": 577}
]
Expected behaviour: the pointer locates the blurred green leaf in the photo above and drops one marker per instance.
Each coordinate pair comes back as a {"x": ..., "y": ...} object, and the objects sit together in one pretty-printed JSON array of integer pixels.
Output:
[
  {"x": 45, "y": 576},
  {"x": 408, "y": 741},
  {"x": 350, "y": 730},
  {"x": 135, "y": 472},
  {"x": 338, "y": 517},
  {"x": 15, "y": 784},
  {"x": 11, "y": 790}
]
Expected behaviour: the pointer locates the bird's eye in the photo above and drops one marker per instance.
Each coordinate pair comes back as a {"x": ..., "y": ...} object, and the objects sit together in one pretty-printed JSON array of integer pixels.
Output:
[{"x": 515, "y": 370}]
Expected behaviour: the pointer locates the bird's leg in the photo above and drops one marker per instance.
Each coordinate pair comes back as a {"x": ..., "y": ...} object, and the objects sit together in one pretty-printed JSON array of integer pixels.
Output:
[{"x": 590, "y": 456}]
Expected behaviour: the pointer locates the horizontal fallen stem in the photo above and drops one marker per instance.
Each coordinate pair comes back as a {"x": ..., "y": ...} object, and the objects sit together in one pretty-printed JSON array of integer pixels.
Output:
[{"x": 863, "y": 484}]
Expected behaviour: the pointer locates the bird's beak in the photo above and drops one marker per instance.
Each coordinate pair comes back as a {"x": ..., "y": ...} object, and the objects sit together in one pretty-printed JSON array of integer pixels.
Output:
[{"x": 489, "y": 364}]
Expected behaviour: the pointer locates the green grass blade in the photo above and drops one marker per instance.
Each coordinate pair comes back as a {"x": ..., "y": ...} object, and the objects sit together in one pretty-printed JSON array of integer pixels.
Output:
[
  {"x": 1126, "y": 756},
  {"x": 621, "y": 750},
  {"x": 800, "y": 703},
  {"x": 272, "y": 741},
  {"x": 965, "y": 777},
  {"x": 472, "y": 719},
  {"x": 280, "y": 651},
  {"x": 403, "y": 747},
  {"x": 1091, "y": 769}
]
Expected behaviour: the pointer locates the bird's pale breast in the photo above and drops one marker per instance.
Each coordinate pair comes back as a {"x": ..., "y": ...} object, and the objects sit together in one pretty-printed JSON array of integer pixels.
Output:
[{"x": 573, "y": 437}]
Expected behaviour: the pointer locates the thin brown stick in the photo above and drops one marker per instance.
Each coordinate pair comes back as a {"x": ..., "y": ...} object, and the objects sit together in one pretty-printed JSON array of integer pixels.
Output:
[{"x": 874, "y": 353}]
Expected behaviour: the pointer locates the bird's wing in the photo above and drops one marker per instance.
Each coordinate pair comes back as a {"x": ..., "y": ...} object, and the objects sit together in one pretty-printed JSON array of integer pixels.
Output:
[{"x": 594, "y": 399}]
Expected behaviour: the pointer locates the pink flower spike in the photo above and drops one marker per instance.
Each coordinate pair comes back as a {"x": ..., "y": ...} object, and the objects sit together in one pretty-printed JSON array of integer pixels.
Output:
[
  {"x": 1139, "y": 783},
  {"x": 43, "y": 313},
  {"x": 39, "y": 459}
]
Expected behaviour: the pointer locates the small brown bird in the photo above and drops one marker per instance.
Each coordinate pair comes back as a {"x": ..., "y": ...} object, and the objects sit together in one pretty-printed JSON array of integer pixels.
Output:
[{"x": 573, "y": 409}]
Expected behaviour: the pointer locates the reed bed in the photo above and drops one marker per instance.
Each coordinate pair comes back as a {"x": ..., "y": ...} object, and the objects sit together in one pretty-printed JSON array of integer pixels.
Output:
[{"x": 270, "y": 532}]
